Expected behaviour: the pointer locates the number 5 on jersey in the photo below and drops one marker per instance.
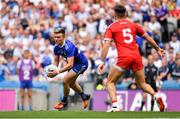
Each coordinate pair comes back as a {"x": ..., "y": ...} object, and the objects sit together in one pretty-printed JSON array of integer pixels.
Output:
[{"x": 128, "y": 38}]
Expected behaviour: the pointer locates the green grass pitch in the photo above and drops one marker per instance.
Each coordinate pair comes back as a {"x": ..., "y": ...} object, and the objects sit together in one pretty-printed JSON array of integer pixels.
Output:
[{"x": 86, "y": 115}]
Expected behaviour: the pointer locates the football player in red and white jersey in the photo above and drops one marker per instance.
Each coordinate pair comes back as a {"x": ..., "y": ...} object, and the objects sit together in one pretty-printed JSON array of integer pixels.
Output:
[{"x": 123, "y": 32}]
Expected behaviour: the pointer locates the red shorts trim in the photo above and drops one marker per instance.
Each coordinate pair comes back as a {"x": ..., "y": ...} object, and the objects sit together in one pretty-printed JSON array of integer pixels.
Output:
[{"x": 130, "y": 63}]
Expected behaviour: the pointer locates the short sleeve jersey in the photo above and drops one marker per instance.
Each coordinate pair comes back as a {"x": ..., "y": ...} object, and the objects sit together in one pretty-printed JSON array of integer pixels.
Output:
[
  {"x": 70, "y": 50},
  {"x": 124, "y": 32}
]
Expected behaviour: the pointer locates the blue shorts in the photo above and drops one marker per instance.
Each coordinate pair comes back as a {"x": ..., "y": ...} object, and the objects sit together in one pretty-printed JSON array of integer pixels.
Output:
[
  {"x": 80, "y": 68},
  {"x": 24, "y": 85}
]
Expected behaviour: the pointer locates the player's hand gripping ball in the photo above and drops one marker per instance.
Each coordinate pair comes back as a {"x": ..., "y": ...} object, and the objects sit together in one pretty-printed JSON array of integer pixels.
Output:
[{"x": 51, "y": 70}]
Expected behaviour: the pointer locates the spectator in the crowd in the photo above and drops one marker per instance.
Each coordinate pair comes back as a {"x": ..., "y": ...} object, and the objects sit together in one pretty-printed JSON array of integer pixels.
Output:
[
  {"x": 11, "y": 65},
  {"x": 175, "y": 43},
  {"x": 168, "y": 50},
  {"x": 2, "y": 47},
  {"x": 26, "y": 38},
  {"x": 60, "y": 22},
  {"x": 178, "y": 32},
  {"x": 82, "y": 14},
  {"x": 91, "y": 27},
  {"x": 13, "y": 37},
  {"x": 35, "y": 48},
  {"x": 5, "y": 29},
  {"x": 48, "y": 45},
  {"x": 38, "y": 67},
  {"x": 9, "y": 50},
  {"x": 171, "y": 62},
  {"x": 176, "y": 70},
  {"x": 68, "y": 20},
  {"x": 136, "y": 14},
  {"x": 177, "y": 55},
  {"x": 145, "y": 11},
  {"x": 46, "y": 58},
  {"x": 157, "y": 61},
  {"x": 40, "y": 41},
  {"x": 155, "y": 27},
  {"x": 17, "y": 54},
  {"x": 3, "y": 69},
  {"x": 46, "y": 31},
  {"x": 162, "y": 14},
  {"x": 82, "y": 30},
  {"x": 55, "y": 11},
  {"x": 163, "y": 72},
  {"x": 102, "y": 23}
]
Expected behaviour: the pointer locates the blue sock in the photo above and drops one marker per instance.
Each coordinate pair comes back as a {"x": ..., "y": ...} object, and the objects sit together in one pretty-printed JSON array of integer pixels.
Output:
[
  {"x": 64, "y": 99},
  {"x": 22, "y": 107},
  {"x": 30, "y": 107},
  {"x": 82, "y": 94}
]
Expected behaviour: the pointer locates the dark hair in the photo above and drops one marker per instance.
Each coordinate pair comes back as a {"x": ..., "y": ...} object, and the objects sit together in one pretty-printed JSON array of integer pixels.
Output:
[
  {"x": 59, "y": 30},
  {"x": 120, "y": 10}
]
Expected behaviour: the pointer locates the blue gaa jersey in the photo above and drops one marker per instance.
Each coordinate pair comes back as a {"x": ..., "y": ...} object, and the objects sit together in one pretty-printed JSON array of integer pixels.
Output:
[{"x": 70, "y": 50}]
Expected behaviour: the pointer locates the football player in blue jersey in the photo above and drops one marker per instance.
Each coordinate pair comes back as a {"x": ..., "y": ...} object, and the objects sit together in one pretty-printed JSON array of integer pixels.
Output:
[{"x": 76, "y": 64}]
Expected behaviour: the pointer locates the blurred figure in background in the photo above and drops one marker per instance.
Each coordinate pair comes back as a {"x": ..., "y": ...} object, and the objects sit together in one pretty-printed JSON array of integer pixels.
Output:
[
  {"x": 155, "y": 27},
  {"x": 3, "y": 69},
  {"x": 175, "y": 43},
  {"x": 25, "y": 71},
  {"x": 176, "y": 70},
  {"x": 162, "y": 14},
  {"x": 157, "y": 61},
  {"x": 11, "y": 65},
  {"x": 163, "y": 72},
  {"x": 171, "y": 62},
  {"x": 151, "y": 72}
]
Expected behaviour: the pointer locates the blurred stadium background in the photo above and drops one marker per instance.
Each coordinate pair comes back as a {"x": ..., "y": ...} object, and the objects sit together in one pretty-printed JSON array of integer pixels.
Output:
[{"x": 29, "y": 24}]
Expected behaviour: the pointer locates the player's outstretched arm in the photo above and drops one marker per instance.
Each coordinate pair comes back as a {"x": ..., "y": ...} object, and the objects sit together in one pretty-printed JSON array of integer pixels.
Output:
[
  {"x": 154, "y": 45},
  {"x": 104, "y": 52}
]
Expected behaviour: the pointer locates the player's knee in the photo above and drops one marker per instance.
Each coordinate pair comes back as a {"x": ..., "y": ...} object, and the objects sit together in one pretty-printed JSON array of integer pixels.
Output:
[
  {"x": 72, "y": 84},
  {"x": 109, "y": 83},
  {"x": 65, "y": 83}
]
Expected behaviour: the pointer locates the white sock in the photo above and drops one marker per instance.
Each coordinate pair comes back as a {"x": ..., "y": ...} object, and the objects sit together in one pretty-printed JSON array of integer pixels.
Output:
[
  {"x": 114, "y": 104},
  {"x": 156, "y": 96}
]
